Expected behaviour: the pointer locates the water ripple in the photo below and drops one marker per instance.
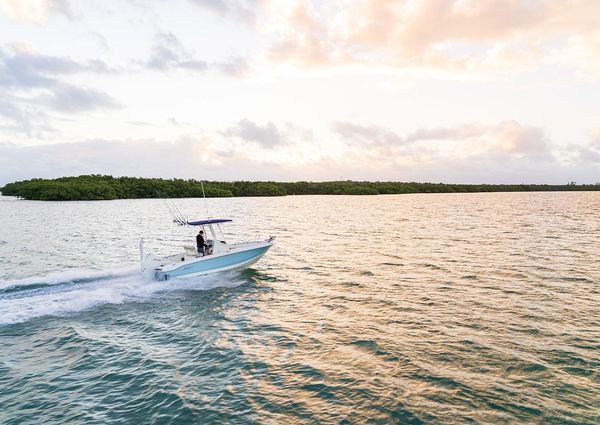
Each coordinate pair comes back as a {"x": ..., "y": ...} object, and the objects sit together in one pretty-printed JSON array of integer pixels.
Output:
[{"x": 453, "y": 308}]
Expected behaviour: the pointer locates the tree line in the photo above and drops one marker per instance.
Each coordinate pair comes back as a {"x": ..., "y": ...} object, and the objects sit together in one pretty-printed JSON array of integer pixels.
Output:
[{"x": 98, "y": 187}]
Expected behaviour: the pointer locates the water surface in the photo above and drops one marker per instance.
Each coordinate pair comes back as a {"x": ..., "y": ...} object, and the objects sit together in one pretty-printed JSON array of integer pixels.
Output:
[{"x": 452, "y": 308}]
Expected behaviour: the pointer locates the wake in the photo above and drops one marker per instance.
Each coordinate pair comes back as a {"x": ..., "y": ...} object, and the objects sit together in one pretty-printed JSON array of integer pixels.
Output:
[
  {"x": 62, "y": 293},
  {"x": 63, "y": 278}
]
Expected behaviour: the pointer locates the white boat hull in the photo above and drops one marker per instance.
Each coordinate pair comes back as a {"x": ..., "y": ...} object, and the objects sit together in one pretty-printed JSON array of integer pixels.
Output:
[{"x": 238, "y": 256}]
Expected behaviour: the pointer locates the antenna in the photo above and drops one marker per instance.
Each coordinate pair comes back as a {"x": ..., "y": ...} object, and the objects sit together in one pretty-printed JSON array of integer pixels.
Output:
[{"x": 204, "y": 196}]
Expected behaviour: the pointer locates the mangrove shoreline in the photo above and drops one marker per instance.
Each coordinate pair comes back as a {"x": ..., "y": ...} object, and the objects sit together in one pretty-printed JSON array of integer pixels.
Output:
[{"x": 101, "y": 187}]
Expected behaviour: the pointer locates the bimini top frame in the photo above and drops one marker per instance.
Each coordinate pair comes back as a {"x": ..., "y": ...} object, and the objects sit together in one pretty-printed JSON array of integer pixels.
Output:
[{"x": 211, "y": 221}]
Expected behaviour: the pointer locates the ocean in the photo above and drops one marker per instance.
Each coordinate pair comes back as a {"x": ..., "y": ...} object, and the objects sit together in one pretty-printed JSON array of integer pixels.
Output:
[{"x": 424, "y": 308}]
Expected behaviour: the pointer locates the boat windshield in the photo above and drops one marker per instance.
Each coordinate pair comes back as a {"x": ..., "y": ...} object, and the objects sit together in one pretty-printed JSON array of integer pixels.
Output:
[
  {"x": 219, "y": 233},
  {"x": 213, "y": 232}
]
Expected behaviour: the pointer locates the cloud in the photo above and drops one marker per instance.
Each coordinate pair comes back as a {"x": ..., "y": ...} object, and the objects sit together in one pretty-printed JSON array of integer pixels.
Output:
[
  {"x": 508, "y": 137},
  {"x": 367, "y": 135},
  {"x": 203, "y": 157},
  {"x": 24, "y": 67},
  {"x": 184, "y": 157},
  {"x": 460, "y": 36},
  {"x": 505, "y": 152},
  {"x": 516, "y": 139},
  {"x": 219, "y": 6},
  {"x": 268, "y": 136},
  {"x": 169, "y": 53},
  {"x": 94, "y": 156},
  {"x": 31, "y": 83},
  {"x": 504, "y": 138},
  {"x": 234, "y": 67},
  {"x": 35, "y": 11},
  {"x": 73, "y": 99},
  {"x": 19, "y": 117},
  {"x": 244, "y": 10},
  {"x": 580, "y": 52},
  {"x": 589, "y": 152}
]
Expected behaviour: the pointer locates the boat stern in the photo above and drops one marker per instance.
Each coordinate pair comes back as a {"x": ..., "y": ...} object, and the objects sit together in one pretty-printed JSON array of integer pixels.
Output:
[{"x": 151, "y": 265}]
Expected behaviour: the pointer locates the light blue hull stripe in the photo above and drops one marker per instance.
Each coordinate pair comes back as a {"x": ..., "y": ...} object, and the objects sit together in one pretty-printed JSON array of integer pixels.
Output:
[{"x": 224, "y": 262}]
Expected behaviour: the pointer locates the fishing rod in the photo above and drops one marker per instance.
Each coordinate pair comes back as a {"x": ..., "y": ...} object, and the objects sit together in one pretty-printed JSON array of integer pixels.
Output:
[
  {"x": 182, "y": 218},
  {"x": 172, "y": 212},
  {"x": 176, "y": 214}
]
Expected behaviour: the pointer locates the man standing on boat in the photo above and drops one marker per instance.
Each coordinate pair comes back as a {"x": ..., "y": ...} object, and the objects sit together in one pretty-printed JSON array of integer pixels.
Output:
[{"x": 200, "y": 243}]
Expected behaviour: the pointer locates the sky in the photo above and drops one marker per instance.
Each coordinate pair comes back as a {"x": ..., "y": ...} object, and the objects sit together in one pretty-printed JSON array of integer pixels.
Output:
[{"x": 452, "y": 91}]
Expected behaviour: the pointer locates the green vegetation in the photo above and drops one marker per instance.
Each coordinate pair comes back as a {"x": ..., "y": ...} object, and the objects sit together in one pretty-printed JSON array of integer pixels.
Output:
[{"x": 107, "y": 187}]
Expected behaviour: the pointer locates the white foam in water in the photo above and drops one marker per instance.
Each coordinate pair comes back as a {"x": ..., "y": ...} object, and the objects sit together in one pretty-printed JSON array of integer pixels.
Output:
[
  {"x": 58, "y": 278},
  {"x": 110, "y": 288}
]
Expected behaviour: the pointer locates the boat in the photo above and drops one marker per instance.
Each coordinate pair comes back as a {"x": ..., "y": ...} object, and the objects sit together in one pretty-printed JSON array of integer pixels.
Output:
[{"x": 218, "y": 256}]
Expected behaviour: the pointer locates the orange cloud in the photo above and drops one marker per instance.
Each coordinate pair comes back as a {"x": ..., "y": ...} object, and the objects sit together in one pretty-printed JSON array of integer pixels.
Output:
[
  {"x": 455, "y": 35},
  {"x": 34, "y": 11}
]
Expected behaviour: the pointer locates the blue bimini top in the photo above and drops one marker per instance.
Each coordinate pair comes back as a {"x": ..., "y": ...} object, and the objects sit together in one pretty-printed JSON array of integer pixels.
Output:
[{"x": 211, "y": 221}]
